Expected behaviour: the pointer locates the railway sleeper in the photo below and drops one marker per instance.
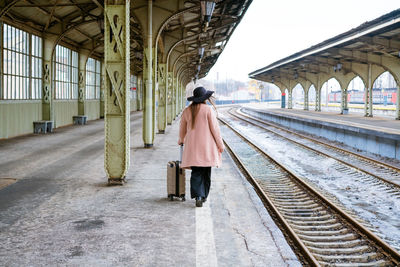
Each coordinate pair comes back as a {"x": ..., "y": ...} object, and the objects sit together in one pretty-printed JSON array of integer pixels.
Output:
[
  {"x": 355, "y": 259},
  {"x": 335, "y": 245},
  {"x": 307, "y": 201},
  {"x": 318, "y": 232},
  {"x": 379, "y": 263},
  {"x": 285, "y": 191},
  {"x": 300, "y": 206},
  {"x": 325, "y": 227},
  {"x": 312, "y": 219},
  {"x": 313, "y": 223},
  {"x": 287, "y": 196},
  {"x": 302, "y": 213},
  {"x": 291, "y": 199},
  {"x": 345, "y": 237},
  {"x": 279, "y": 181},
  {"x": 342, "y": 251}
]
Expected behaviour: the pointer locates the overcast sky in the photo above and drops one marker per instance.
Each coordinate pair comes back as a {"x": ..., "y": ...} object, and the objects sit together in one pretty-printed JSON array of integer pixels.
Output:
[{"x": 273, "y": 29}]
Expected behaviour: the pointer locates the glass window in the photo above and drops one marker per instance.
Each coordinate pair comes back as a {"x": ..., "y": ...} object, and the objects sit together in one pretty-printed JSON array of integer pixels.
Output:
[
  {"x": 93, "y": 72},
  {"x": 19, "y": 80},
  {"x": 66, "y": 77},
  {"x": 36, "y": 71}
]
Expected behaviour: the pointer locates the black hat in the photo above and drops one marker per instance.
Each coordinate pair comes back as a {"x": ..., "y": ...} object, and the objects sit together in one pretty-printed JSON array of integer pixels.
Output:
[{"x": 200, "y": 94}]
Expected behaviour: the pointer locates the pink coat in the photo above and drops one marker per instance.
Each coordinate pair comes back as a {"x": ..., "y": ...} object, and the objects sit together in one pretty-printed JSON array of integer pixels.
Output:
[{"x": 202, "y": 142}]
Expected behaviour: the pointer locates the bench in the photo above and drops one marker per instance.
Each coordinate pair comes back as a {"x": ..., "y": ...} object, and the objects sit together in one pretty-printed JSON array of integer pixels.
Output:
[
  {"x": 80, "y": 119},
  {"x": 43, "y": 126}
]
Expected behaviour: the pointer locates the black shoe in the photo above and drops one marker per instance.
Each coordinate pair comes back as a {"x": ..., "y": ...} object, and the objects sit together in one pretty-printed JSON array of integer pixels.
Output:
[
  {"x": 204, "y": 199},
  {"x": 199, "y": 202}
]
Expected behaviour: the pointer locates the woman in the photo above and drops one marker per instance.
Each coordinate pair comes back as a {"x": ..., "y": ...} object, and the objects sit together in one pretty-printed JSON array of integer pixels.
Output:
[{"x": 199, "y": 131}]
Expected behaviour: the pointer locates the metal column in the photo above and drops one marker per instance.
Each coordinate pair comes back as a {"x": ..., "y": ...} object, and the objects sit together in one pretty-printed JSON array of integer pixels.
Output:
[
  {"x": 148, "y": 82},
  {"x": 162, "y": 103},
  {"x": 174, "y": 85},
  {"x": 368, "y": 94},
  {"x": 169, "y": 98},
  {"x": 398, "y": 102},
  {"x": 283, "y": 100},
  {"x": 318, "y": 97},
  {"x": 290, "y": 99},
  {"x": 139, "y": 94},
  {"x": 81, "y": 83},
  {"x": 178, "y": 83},
  {"x": 47, "y": 95},
  {"x": 344, "y": 104},
  {"x": 306, "y": 105},
  {"x": 117, "y": 119},
  {"x": 180, "y": 98},
  {"x": 102, "y": 93}
]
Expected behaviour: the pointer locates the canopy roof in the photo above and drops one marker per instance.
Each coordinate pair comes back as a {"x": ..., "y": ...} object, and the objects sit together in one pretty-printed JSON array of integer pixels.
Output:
[
  {"x": 80, "y": 25},
  {"x": 369, "y": 43}
]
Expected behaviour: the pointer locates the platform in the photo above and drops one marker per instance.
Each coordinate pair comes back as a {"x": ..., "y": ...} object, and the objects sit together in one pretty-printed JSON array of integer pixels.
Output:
[
  {"x": 377, "y": 135},
  {"x": 60, "y": 210}
]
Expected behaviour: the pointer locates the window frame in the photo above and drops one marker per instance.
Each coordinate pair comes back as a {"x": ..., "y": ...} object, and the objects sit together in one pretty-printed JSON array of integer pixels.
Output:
[
  {"x": 21, "y": 76},
  {"x": 67, "y": 78},
  {"x": 96, "y": 72}
]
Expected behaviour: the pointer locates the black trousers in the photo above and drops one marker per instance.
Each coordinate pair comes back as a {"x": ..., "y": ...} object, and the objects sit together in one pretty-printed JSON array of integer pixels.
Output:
[{"x": 200, "y": 182}]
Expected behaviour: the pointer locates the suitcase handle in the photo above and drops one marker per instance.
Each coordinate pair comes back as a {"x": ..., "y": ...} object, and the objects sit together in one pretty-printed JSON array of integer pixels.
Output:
[{"x": 180, "y": 152}]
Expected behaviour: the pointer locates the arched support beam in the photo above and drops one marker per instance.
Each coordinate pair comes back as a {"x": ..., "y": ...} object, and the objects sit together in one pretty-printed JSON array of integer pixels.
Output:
[
  {"x": 7, "y": 8},
  {"x": 163, "y": 87},
  {"x": 390, "y": 64}
]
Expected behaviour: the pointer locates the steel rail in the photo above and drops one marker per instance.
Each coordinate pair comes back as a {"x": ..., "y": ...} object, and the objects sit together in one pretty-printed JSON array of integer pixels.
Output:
[
  {"x": 386, "y": 248},
  {"x": 315, "y": 150},
  {"x": 299, "y": 244}
]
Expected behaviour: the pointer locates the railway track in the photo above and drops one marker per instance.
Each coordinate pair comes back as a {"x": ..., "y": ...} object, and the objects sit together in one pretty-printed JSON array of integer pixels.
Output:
[
  {"x": 371, "y": 171},
  {"x": 325, "y": 234}
]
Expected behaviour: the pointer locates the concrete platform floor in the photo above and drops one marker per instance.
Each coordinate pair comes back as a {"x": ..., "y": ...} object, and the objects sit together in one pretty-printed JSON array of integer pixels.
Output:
[
  {"x": 60, "y": 212},
  {"x": 378, "y": 123}
]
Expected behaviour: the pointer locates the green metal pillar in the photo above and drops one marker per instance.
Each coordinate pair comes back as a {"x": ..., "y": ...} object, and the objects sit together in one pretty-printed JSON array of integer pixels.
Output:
[
  {"x": 174, "y": 85},
  {"x": 139, "y": 94},
  {"x": 398, "y": 102},
  {"x": 318, "y": 96},
  {"x": 81, "y": 83},
  {"x": 155, "y": 97},
  {"x": 102, "y": 93},
  {"x": 117, "y": 100},
  {"x": 148, "y": 109},
  {"x": 182, "y": 97},
  {"x": 162, "y": 103},
  {"x": 47, "y": 95},
  {"x": 306, "y": 105},
  {"x": 344, "y": 104},
  {"x": 368, "y": 94},
  {"x": 169, "y": 88},
  {"x": 290, "y": 99},
  {"x": 177, "y": 97}
]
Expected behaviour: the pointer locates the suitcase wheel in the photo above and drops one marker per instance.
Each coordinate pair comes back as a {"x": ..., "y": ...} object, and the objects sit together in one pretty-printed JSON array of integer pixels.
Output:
[{"x": 171, "y": 197}]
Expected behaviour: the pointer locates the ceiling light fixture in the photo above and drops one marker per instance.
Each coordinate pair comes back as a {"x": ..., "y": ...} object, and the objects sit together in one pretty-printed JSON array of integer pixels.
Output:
[{"x": 207, "y": 9}]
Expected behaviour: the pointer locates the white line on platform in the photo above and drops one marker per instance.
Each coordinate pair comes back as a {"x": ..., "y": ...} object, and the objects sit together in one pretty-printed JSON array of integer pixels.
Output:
[{"x": 206, "y": 254}]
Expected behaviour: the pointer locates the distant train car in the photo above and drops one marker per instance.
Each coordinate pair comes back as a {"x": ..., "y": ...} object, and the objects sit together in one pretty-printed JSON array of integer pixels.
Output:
[{"x": 386, "y": 96}]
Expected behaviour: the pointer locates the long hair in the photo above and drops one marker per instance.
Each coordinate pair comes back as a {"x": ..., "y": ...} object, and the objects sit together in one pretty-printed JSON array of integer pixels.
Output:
[
  {"x": 211, "y": 100},
  {"x": 194, "y": 108}
]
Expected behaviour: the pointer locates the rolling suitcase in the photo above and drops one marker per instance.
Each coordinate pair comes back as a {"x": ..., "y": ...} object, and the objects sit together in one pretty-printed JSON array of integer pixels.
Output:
[{"x": 176, "y": 183}]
